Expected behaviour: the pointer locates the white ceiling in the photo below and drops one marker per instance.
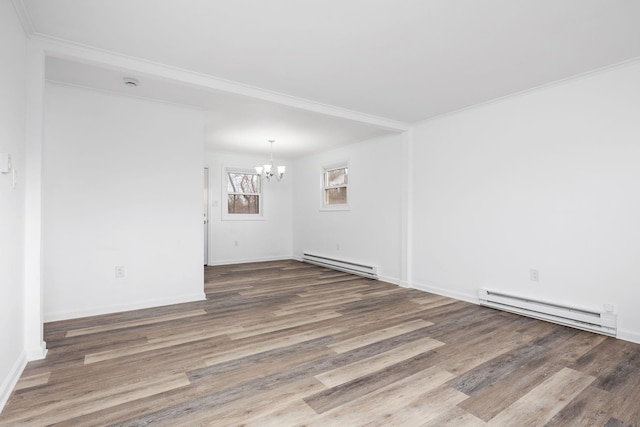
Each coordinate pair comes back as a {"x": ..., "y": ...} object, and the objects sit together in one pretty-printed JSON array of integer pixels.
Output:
[{"x": 406, "y": 60}]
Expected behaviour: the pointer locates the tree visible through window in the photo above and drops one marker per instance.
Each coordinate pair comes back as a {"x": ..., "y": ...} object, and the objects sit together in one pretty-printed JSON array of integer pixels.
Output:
[
  {"x": 243, "y": 193},
  {"x": 336, "y": 182}
]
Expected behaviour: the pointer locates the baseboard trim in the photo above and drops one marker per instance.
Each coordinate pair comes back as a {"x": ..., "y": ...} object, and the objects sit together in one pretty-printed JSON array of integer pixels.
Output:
[
  {"x": 392, "y": 280},
  {"x": 473, "y": 299},
  {"x": 37, "y": 353},
  {"x": 95, "y": 311},
  {"x": 627, "y": 335},
  {"x": 12, "y": 378},
  {"x": 248, "y": 260}
]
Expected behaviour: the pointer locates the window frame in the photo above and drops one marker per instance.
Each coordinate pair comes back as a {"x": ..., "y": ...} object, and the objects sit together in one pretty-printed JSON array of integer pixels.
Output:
[
  {"x": 325, "y": 187},
  {"x": 231, "y": 216}
]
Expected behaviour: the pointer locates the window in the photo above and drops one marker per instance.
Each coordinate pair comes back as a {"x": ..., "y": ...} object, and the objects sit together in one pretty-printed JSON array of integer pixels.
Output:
[
  {"x": 335, "y": 186},
  {"x": 244, "y": 194}
]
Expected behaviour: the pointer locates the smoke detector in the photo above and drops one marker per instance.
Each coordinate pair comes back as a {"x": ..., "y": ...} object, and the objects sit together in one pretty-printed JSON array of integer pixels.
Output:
[{"x": 130, "y": 82}]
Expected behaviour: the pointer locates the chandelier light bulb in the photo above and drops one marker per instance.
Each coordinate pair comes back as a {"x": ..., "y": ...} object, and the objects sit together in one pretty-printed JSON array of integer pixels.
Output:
[{"x": 268, "y": 170}]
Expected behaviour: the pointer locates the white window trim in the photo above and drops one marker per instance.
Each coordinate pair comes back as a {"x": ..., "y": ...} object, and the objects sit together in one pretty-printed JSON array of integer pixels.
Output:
[
  {"x": 334, "y": 208},
  {"x": 226, "y": 216}
]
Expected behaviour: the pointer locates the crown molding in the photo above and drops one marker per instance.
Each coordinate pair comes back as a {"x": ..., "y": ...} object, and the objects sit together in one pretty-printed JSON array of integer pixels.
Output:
[
  {"x": 23, "y": 16},
  {"x": 88, "y": 54},
  {"x": 550, "y": 85}
]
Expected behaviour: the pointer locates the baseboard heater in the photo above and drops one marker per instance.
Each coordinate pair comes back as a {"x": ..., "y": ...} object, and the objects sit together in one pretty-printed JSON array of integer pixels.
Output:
[
  {"x": 369, "y": 271},
  {"x": 588, "y": 320}
]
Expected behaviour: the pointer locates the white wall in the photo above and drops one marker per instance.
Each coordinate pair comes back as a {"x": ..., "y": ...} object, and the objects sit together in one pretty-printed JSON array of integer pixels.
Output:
[
  {"x": 370, "y": 231},
  {"x": 123, "y": 182},
  {"x": 237, "y": 241},
  {"x": 12, "y": 140},
  {"x": 547, "y": 180}
]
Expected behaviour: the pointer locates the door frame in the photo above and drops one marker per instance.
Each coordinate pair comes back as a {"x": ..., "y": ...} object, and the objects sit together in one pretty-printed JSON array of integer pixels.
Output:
[{"x": 206, "y": 216}]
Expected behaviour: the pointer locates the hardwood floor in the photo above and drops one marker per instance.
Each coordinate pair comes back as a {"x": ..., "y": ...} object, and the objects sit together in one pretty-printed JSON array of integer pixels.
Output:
[{"x": 288, "y": 344}]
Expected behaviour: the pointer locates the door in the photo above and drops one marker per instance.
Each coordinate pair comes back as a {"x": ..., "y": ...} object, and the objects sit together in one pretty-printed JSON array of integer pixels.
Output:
[{"x": 206, "y": 216}]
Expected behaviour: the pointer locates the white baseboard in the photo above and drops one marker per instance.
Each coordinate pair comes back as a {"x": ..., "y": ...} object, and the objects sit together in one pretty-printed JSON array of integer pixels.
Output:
[
  {"x": 446, "y": 293},
  {"x": 392, "y": 280},
  {"x": 52, "y": 317},
  {"x": 627, "y": 335},
  {"x": 248, "y": 260},
  {"x": 37, "y": 353},
  {"x": 11, "y": 379}
]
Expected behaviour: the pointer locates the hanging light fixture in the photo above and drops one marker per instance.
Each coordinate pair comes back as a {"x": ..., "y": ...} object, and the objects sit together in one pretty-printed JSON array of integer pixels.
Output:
[{"x": 268, "y": 171}]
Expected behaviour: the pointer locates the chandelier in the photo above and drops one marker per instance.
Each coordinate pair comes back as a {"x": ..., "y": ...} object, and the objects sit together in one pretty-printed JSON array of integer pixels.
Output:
[{"x": 268, "y": 171}]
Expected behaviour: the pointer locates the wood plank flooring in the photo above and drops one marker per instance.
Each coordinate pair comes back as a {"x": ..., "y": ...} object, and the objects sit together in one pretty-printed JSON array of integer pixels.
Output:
[{"x": 291, "y": 344}]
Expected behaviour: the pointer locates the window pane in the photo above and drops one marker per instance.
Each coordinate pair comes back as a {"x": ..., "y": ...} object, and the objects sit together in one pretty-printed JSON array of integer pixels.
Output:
[
  {"x": 335, "y": 196},
  {"x": 239, "y": 204},
  {"x": 335, "y": 177},
  {"x": 243, "y": 183}
]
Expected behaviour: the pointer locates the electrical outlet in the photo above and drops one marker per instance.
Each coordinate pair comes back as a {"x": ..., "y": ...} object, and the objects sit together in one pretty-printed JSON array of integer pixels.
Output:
[
  {"x": 534, "y": 275},
  {"x": 337, "y": 246},
  {"x": 119, "y": 271},
  {"x": 236, "y": 243}
]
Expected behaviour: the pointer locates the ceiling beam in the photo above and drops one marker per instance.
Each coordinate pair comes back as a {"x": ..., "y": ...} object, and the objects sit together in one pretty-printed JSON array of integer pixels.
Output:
[{"x": 83, "y": 53}]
